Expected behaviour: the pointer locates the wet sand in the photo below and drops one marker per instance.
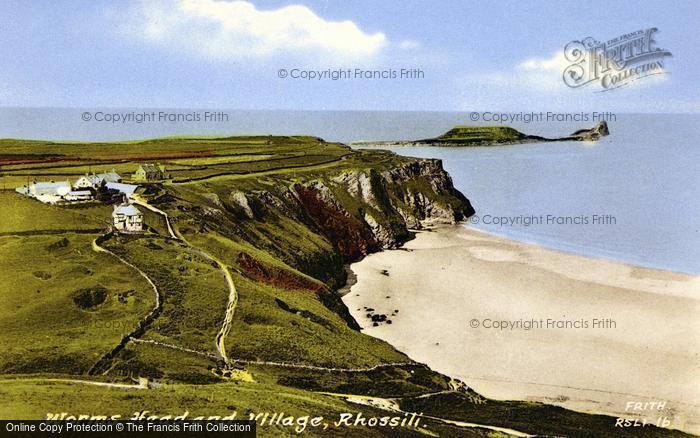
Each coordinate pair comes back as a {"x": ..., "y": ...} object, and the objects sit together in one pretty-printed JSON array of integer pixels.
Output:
[{"x": 601, "y": 333}]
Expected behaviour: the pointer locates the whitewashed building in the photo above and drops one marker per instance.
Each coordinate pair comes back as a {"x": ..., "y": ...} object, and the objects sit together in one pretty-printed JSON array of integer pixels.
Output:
[
  {"x": 87, "y": 182},
  {"x": 126, "y": 218},
  {"x": 47, "y": 192},
  {"x": 94, "y": 181}
]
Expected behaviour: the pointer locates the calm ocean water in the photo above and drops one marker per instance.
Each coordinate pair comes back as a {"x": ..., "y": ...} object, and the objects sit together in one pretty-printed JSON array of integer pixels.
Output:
[{"x": 632, "y": 196}]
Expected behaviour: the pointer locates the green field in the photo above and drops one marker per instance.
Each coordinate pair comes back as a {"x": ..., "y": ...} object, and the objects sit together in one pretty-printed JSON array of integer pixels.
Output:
[
  {"x": 184, "y": 158},
  {"x": 25, "y": 215},
  {"x": 63, "y": 305}
]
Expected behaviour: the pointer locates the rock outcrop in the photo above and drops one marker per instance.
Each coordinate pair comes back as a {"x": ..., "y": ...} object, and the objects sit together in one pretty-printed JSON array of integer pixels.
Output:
[
  {"x": 349, "y": 233},
  {"x": 380, "y": 207},
  {"x": 593, "y": 134}
]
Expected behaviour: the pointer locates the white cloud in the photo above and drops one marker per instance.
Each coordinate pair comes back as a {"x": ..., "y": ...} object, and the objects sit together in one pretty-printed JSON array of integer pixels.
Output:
[
  {"x": 409, "y": 45},
  {"x": 544, "y": 74},
  {"x": 556, "y": 63},
  {"x": 547, "y": 73},
  {"x": 232, "y": 30},
  {"x": 532, "y": 74},
  {"x": 537, "y": 83}
]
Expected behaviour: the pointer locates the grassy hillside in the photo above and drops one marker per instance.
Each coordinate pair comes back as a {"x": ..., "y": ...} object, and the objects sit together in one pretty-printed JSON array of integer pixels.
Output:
[
  {"x": 63, "y": 305},
  {"x": 221, "y": 400},
  {"x": 184, "y": 158},
  {"x": 191, "y": 290},
  {"x": 24, "y": 215},
  {"x": 281, "y": 215}
]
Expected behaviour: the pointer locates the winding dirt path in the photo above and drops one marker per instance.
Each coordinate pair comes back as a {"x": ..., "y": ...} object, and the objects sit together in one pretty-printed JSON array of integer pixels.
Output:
[
  {"x": 281, "y": 364},
  {"x": 140, "y": 201},
  {"x": 102, "y": 364},
  {"x": 329, "y": 369},
  {"x": 177, "y": 347},
  {"x": 233, "y": 293},
  {"x": 230, "y": 310},
  {"x": 142, "y": 385}
]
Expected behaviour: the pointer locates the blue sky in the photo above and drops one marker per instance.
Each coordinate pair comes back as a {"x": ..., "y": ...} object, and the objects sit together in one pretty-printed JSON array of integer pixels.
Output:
[{"x": 475, "y": 55}]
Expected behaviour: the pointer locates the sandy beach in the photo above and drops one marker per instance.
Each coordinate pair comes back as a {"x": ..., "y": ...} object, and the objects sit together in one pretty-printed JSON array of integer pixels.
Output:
[{"x": 517, "y": 321}]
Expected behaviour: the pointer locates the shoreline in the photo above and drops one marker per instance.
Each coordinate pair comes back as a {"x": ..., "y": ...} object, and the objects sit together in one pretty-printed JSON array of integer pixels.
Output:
[
  {"x": 647, "y": 356},
  {"x": 577, "y": 250}
]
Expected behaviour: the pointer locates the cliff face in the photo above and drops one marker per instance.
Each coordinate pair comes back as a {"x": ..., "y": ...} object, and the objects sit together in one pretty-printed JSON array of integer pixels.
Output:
[
  {"x": 297, "y": 234},
  {"x": 440, "y": 203},
  {"x": 362, "y": 211}
]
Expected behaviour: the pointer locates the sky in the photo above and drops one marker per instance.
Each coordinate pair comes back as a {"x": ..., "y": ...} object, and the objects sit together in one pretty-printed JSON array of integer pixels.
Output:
[{"x": 472, "y": 55}]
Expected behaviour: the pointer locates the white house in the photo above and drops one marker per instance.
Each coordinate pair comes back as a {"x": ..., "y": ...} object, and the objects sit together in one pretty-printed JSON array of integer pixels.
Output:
[
  {"x": 48, "y": 192},
  {"x": 94, "y": 181},
  {"x": 126, "y": 218},
  {"x": 87, "y": 182}
]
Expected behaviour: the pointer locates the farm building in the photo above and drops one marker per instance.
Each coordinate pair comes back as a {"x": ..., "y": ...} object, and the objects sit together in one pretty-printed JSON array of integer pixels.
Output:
[
  {"x": 149, "y": 172},
  {"x": 47, "y": 192},
  {"x": 79, "y": 196},
  {"x": 104, "y": 187},
  {"x": 126, "y": 218},
  {"x": 94, "y": 181},
  {"x": 126, "y": 189}
]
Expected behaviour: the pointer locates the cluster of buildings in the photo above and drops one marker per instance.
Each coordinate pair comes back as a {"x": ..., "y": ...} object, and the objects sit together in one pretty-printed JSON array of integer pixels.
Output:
[{"x": 105, "y": 187}]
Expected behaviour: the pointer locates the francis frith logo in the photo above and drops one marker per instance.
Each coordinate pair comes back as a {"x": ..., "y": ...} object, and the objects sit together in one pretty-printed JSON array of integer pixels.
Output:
[{"x": 616, "y": 62}]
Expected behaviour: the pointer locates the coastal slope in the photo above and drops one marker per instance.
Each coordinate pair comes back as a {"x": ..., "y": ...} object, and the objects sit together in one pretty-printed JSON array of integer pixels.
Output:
[{"x": 280, "y": 217}]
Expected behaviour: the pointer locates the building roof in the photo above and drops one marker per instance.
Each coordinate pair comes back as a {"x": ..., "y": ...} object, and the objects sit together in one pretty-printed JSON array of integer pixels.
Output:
[
  {"x": 93, "y": 179},
  {"x": 106, "y": 176},
  {"x": 151, "y": 168},
  {"x": 110, "y": 176},
  {"x": 127, "y": 189},
  {"x": 50, "y": 187},
  {"x": 126, "y": 210}
]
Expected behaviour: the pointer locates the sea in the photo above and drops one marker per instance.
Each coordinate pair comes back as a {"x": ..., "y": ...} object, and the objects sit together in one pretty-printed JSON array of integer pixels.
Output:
[{"x": 630, "y": 197}]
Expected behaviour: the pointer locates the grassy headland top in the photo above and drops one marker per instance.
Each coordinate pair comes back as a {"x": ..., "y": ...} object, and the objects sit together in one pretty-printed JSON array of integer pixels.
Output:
[
  {"x": 186, "y": 159},
  {"x": 480, "y": 134}
]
